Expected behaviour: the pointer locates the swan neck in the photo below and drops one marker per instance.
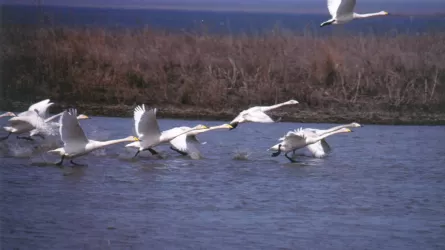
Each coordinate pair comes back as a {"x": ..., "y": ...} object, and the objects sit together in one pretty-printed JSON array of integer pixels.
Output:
[
  {"x": 171, "y": 137},
  {"x": 358, "y": 16},
  {"x": 100, "y": 144},
  {"x": 321, "y": 137}
]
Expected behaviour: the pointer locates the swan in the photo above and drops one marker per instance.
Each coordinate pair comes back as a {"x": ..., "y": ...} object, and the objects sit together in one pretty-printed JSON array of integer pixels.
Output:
[
  {"x": 28, "y": 120},
  {"x": 321, "y": 148},
  {"x": 256, "y": 114},
  {"x": 299, "y": 139},
  {"x": 7, "y": 114},
  {"x": 53, "y": 125},
  {"x": 147, "y": 130},
  {"x": 342, "y": 11},
  {"x": 187, "y": 143},
  {"x": 75, "y": 143}
]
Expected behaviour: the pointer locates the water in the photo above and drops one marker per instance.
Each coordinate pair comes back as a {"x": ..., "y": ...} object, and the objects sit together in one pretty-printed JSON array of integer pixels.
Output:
[
  {"x": 381, "y": 188},
  {"x": 214, "y": 22}
]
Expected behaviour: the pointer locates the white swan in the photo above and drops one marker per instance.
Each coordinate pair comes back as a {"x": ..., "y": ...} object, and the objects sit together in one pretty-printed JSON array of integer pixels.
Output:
[
  {"x": 299, "y": 139},
  {"x": 187, "y": 143},
  {"x": 342, "y": 11},
  {"x": 52, "y": 125},
  {"x": 256, "y": 114},
  {"x": 7, "y": 114},
  {"x": 28, "y": 120},
  {"x": 147, "y": 129},
  {"x": 75, "y": 142},
  {"x": 321, "y": 148}
]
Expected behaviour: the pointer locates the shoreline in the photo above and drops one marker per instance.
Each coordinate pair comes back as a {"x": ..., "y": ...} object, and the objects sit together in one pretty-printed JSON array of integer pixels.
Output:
[{"x": 287, "y": 114}]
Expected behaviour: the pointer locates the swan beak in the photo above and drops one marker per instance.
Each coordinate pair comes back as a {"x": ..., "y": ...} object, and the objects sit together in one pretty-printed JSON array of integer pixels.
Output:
[
  {"x": 204, "y": 127},
  {"x": 385, "y": 13},
  {"x": 229, "y": 126},
  {"x": 348, "y": 130},
  {"x": 135, "y": 138}
]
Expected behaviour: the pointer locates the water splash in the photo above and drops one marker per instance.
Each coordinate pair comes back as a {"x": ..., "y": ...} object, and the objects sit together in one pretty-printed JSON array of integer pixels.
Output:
[
  {"x": 19, "y": 151},
  {"x": 241, "y": 154}
]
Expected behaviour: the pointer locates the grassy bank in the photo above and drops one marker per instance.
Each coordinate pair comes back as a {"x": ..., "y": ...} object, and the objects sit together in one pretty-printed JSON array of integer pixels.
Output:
[{"x": 375, "y": 79}]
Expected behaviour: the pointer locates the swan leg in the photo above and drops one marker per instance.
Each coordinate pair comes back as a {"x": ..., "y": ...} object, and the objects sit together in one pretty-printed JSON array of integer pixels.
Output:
[
  {"x": 6, "y": 137},
  {"x": 61, "y": 161},
  {"x": 76, "y": 164},
  {"x": 152, "y": 151},
  {"x": 137, "y": 153},
  {"x": 25, "y": 138},
  {"x": 289, "y": 158},
  {"x": 179, "y": 151},
  {"x": 278, "y": 152}
]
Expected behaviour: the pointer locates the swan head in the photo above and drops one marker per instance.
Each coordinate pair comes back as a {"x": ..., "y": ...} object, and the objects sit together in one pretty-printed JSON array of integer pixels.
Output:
[
  {"x": 82, "y": 117},
  {"x": 7, "y": 114},
  {"x": 383, "y": 13},
  {"x": 228, "y": 126},
  {"x": 292, "y": 101},
  {"x": 344, "y": 130},
  {"x": 356, "y": 125},
  {"x": 132, "y": 138},
  {"x": 233, "y": 125},
  {"x": 60, "y": 151},
  {"x": 200, "y": 127}
]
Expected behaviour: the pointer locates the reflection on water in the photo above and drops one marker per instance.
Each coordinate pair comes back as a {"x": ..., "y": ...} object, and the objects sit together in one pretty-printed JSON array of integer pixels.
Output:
[{"x": 382, "y": 187}]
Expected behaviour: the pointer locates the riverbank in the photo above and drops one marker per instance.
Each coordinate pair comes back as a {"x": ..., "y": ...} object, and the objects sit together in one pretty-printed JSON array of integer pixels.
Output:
[
  {"x": 394, "y": 79},
  {"x": 287, "y": 114}
]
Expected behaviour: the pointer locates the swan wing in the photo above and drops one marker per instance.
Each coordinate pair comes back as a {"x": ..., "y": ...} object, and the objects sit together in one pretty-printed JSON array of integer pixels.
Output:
[
  {"x": 180, "y": 143},
  {"x": 53, "y": 118},
  {"x": 70, "y": 130},
  {"x": 333, "y": 6},
  {"x": 319, "y": 149},
  {"x": 258, "y": 116},
  {"x": 146, "y": 125},
  {"x": 41, "y": 108},
  {"x": 27, "y": 117},
  {"x": 346, "y": 7}
]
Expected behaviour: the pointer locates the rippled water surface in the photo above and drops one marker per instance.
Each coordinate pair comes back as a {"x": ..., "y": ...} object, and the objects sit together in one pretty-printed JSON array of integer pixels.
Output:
[{"x": 383, "y": 187}]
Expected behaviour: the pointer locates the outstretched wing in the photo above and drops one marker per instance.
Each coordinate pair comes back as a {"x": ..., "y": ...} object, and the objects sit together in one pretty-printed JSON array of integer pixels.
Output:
[
  {"x": 333, "y": 6},
  {"x": 41, "y": 108},
  {"x": 188, "y": 144},
  {"x": 70, "y": 130},
  {"x": 258, "y": 116},
  {"x": 346, "y": 7},
  {"x": 146, "y": 125},
  {"x": 319, "y": 149}
]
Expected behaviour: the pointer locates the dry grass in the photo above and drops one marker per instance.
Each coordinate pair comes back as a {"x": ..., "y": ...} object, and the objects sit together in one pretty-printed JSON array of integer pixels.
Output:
[{"x": 223, "y": 72}]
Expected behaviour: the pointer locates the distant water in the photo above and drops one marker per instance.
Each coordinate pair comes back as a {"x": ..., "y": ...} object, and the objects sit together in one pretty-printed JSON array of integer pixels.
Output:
[
  {"x": 381, "y": 188},
  {"x": 220, "y": 22}
]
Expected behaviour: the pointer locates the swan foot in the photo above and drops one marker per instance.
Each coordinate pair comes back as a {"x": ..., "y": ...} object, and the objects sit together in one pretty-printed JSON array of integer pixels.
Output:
[
  {"x": 61, "y": 161},
  {"x": 179, "y": 151},
  {"x": 6, "y": 137},
  {"x": 289, "y": 158},
  {"x": 136, "y": 153},
  {"x": 25, "y": 138},
  {"x": 278, "y": 152},
  {"x": 77, "y": 164}
]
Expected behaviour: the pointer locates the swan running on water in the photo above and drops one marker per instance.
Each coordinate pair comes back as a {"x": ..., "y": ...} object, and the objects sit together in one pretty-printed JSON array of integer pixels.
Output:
[
  {"x": 147, "y": 130},
  {"x": 299, "y": 139},
  {"x": 256, "y": 114},
  {"x": 186, "y": 144},
  {"x": 321, "y": 148},
  {"x": 28, "y": 120},
  {"x": 75, "y": 143},
  {"x": 342, "y": 11}
]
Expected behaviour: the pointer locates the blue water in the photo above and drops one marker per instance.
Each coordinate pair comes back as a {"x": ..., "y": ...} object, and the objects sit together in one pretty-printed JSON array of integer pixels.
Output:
[
  {"x": 381, "y": 188},
  {"x": 225, "y": 22}
]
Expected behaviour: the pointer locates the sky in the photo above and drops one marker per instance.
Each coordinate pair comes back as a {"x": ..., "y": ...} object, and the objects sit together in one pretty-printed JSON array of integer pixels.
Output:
[{"x": 289, "y": 5}]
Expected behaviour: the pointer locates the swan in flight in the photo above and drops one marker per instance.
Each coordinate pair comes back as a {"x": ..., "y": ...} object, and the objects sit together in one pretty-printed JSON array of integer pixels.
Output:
[
  {"x": 321, "y": 148},
  {"x": 342, "y": 11},
  {"x": 7, "y": 114},
  {"x": 187, "y": 143},
  {"x": 147, "y": 130},
  {"x": 28, "y": 120},
  {"x": 53, "y": 125},
  {"x": 299, "y": 139},
  {"x": 75, "y": 142},
  {"x": 256, "y": 114}
]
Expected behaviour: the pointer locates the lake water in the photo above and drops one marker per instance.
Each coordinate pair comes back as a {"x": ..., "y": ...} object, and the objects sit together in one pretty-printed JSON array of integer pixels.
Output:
[
  {"x": 381, "y": 188},
  {"x": 215, "y": 22}
]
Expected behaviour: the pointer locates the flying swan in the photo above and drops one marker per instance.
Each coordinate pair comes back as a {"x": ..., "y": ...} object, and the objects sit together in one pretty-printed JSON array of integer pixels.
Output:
[
  {"x": 299, "y": 139},
  {"x": 52, "y": 125},
  {"x": 342, "y": 11},
  {"x": 256, "y": 114},
  {"x": 321, "y": 148},
  {"x": 28, "y": 120},
  {"x": 75, "y": 143},
  {"x": 186, "y": 144},
  {"x": 147, "y": 130}
]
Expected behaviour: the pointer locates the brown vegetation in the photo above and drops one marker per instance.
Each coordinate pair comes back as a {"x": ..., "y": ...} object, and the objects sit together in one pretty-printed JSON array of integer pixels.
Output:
[{"x": 336, "y": 74}]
